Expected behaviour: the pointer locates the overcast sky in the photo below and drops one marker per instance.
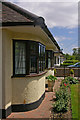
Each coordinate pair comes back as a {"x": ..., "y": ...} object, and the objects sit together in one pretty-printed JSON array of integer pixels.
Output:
[{"x": 61, "y": 17}]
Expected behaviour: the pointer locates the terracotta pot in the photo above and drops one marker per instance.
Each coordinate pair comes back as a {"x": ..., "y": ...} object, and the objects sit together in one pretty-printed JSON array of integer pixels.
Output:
[
  {"x": 50, "y": 86},
  {"x": 71, "y": 75}
]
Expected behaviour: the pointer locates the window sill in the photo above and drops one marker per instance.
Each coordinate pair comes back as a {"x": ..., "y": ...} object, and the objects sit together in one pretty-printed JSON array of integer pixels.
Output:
[
  {"x": 35, "y": 75},
  {"x": 31, "y": 75}
]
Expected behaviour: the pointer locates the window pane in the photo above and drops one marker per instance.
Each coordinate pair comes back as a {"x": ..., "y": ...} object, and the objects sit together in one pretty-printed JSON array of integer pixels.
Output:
[
  {"x": 58, "y": 60},
  {"x": 41, "y": 58},
  {"x": 20, "y": 58},
  {"x": 49, "y": 63},
  {"x": 33, "y": 57},
  {"x": 33, "y": 64},
  {"x": 33, "y": 48},
  {"x": 39, "y": 49},
  {"x": 55, "y": 59},
  {"x": 49, "y": 54}
]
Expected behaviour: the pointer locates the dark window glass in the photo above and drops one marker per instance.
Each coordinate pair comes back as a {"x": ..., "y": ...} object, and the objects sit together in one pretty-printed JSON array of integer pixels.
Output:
[
  {"x": 55, "y": 59},
  {"x": 41, "y": 57},
  {"x": 33, "y": 57},
  {"x": 49, "y": 59},
  {"x": 58, "y": 60},
  {"x": 33, "y": 64}
]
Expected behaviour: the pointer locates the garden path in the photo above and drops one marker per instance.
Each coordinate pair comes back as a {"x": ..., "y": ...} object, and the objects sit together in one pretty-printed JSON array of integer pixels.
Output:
[{"x": 43, "y": 111}]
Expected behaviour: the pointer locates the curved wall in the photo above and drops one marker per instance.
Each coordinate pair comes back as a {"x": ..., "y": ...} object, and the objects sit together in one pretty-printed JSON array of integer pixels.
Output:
[
  {"x": 23, "y": 90},
  {"x": 27, "y": 90}
]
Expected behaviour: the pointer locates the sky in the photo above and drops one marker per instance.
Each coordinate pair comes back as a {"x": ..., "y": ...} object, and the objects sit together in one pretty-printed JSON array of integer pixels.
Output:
[{"x": 61, "y": 17}]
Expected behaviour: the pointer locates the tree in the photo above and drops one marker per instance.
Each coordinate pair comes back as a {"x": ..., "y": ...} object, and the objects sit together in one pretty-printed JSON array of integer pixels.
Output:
[
  {"x": 75, "y": 51},
  {"x": 69, "y": 57}
]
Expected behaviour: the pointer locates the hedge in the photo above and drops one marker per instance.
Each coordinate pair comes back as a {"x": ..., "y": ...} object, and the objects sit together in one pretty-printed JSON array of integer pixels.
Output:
[{"x": 69, "y": 62}]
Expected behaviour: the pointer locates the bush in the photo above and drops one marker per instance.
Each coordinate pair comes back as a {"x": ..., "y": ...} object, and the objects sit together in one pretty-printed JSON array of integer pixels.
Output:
[
  {"x": 51, "y": 78},
  {"x": 71, "y": 71},
  {"x": 60, "y": 106},
  {"x": 55, "y": 71},
  {"x": 71, "y": 80},
  {"x": 62, "y": 98},
  {"x": 69, "y": 62},
  {"x": 65, "y": 82},
  {"x": 62, "y": 93}
]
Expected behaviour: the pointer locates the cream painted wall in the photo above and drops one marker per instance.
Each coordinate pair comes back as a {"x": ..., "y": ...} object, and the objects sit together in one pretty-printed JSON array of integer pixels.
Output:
[
  {"x": 6, "y": 38},
  {"x": 29, "y": 89},
  {"x": 0, "y": 68},
  {"x": 16, "y": 90}
]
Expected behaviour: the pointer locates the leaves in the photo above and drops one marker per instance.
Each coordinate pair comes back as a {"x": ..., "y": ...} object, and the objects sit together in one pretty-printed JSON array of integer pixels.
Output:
[
  {"x": 62, "y": 99},
  {"x": 71, "y": 80},
  {"x": 71, "y": 71},
  {"x": 51, "y": 78}
]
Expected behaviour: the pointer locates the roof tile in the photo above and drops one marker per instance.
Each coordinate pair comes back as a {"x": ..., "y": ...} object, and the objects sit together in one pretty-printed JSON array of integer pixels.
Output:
[{"x": 9, "y": 15}]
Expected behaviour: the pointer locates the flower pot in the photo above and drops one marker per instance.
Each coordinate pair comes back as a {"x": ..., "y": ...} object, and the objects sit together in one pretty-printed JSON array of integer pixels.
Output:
[
  {"x": 50, "y": 86},
  {"x": 71, "y": 75}
]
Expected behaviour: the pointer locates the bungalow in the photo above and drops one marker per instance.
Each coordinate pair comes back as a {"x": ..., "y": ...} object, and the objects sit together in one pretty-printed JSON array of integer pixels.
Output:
[
  {"x": 58, "y": 58},
  {"x": 26, "y": 58}
]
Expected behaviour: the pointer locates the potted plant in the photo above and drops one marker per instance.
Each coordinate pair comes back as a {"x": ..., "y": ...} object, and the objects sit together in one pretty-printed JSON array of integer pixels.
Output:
[
  {"x": 55, "y": 72},
  {"x": 51, "y": 81},
  {"x": 72, "y": 73}
]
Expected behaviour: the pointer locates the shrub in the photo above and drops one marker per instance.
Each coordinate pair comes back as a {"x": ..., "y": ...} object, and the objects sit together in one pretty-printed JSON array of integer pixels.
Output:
[
  {"x": 62, "y": 98},
  {"x": 71, "y": 71},
  {"x": 69, "y": 62},
  {"x": 51, "y": 78},
  {"x": 55, "y": 71},
  {"x": 60, "y": 106},
  {"x": 71, "y": 80},
  {"x": 65, "y": 81},
  {"x": 62, "y": 93}
]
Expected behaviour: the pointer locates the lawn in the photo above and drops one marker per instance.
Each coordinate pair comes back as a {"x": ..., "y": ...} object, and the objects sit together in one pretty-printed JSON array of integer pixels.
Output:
[{"x": 75, "y": 98}]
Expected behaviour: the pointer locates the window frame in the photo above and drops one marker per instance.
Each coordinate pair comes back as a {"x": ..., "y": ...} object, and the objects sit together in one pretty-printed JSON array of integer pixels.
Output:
[
  {"x": 51, "y": 57},
  {"x": 28, "y": 54}
]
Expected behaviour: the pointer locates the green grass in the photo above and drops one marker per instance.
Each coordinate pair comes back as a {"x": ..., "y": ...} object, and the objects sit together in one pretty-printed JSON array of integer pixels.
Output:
[{"x": 75, "y": 90}]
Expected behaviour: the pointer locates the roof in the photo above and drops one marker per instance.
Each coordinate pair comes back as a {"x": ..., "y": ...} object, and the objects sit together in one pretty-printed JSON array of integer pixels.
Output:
[
  {"x": 14, "y": 15},
  {"x": 57, "y": 52}
]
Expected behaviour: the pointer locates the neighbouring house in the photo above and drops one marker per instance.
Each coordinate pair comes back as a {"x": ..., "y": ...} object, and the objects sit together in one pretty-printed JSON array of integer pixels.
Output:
[
  {"x": 62, "y": 59},
  {"x": 58, "y": 58},
  {"x": 26, "y": 58}
]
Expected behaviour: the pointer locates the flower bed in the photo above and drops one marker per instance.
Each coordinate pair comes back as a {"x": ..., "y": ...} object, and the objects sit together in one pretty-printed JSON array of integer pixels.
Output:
[{"x": 62, "y": 105}]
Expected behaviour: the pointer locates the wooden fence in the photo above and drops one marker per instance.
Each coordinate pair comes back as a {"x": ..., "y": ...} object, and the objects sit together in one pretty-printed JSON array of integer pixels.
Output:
[{"x": 64, "y": 71}]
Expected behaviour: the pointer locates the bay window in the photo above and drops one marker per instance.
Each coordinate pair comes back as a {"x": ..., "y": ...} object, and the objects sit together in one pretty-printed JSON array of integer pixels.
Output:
[{"x": 28, "y": 57}]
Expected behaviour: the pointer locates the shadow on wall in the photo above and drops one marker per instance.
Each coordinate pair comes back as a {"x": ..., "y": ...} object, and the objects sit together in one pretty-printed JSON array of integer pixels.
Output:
[{"x": 27, "y": 89}]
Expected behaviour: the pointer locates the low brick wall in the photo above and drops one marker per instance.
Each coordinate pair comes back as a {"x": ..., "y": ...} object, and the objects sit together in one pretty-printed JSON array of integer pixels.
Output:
[{"x": 61, "y": 72}]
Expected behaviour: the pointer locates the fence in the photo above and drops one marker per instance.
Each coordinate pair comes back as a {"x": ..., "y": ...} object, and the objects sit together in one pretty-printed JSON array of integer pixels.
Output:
[{"x": 64, "y": 71}]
